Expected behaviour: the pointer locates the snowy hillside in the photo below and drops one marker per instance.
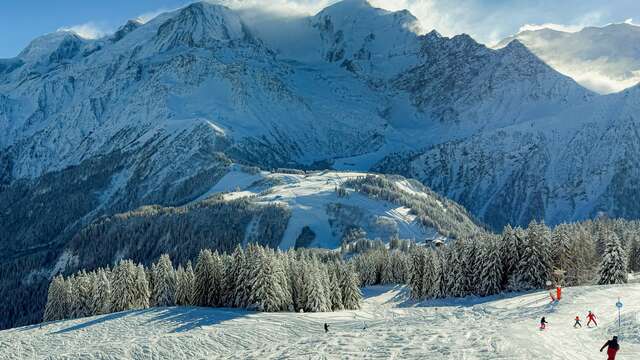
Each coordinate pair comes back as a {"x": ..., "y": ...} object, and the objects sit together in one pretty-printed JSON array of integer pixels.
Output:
[
  {"x": 387, "y": 326},
  {"x": 158, "y": 115},
  {"x": 276, "y": 209},
  {"x": 603, "y": 59}
]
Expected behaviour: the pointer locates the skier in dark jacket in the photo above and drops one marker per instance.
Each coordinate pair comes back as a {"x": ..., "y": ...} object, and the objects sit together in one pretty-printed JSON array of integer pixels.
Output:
[
  {"x": 326, "y": 328},
  {"x": 577, "y": 322},
  {"x": 613, "y": 348},
  {"x": 543, "y": 323}
]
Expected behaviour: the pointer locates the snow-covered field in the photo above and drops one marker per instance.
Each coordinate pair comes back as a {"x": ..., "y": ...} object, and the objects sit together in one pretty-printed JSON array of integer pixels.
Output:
[
  {"x": 503, "y": 327},
  {"x": 310, "y": 198}
]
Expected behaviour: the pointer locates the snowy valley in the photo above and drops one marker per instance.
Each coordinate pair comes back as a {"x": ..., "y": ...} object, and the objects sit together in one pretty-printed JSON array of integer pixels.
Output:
[{"x": 359, "y": 138}]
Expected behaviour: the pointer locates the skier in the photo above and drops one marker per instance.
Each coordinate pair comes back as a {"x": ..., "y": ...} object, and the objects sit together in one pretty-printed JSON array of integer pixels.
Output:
[
  {"x": 613, "y": 348},
  {"x": 577, "y": 322},
  {"x": 591, "y": 317},
  {"x": 326, "y": 328},
  {"x": 543, "y": 323}
]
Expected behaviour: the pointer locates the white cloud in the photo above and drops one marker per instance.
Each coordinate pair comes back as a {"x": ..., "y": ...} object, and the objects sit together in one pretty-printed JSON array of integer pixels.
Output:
[
  {"x": 603, "y": 83},
  {"x": 89, "y": 30},
  {"x": 552, "y": 26},
  {"x": 630, "y": 22},
  {"x": 281, "y": 8},
  {"x": 144, "y": 18}
]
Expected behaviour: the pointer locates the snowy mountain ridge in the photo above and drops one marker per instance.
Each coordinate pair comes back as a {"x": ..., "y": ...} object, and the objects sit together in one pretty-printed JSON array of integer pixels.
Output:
[{"x": 602, "y": 59}]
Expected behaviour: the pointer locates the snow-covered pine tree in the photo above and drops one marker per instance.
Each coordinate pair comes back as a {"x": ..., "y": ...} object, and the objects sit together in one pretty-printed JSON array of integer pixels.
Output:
[
  {"x": 82, "y": 285},
  {"x": 349, "y": 287},
  {"x": 57, "y": 300},
  {"x": 229, "y": 274},
  {"x": 150, "y": 281},
  {"x": 296, "y": 278},
  {"x": 561, "y": 247},
  {"x": 335, "y": 293},
  {"x": 243, "y": 279},
  {"x": 513, "y": 247},
  {"x": 386, "y": 271},
  {"x": 205, "y": 278},
  {"x": 142, "y": 291},
  {"x": 123, "y": 292},
  {"x": 429, "y": 286},
  {"x": 441, "y": 273},
  {"x": 102, "y": 295},
  {"x": 634, "y": 255},
  {"x": 490, "y": 268},
  {"x": 163, "y": 292},
  {"x": 456, "y": 283},
  {"x": 534, "y": 268},
  {"x": 470, "y": 266},
  {"x": 267, "y": 293},
  {"x": 181, "y": 295},
  {"x": 187, "y": 289},
  {"x": 601, "y": 230},
  {"x": 583, "y": 267},
  {"x": 401, "y": 266},
  {"x": 316, "y": 300},
  {"x": 283, "y": 278},
  {"x": 217, "y": 291},
  {"x": 101, "y": 292},
  {"x": 613, "y": 268},
  {"x": 418, "y": 261}
]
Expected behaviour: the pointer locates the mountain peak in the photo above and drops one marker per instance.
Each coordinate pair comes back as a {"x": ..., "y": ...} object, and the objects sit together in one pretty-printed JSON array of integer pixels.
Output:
[
  {"x": 353, "y": 31},
  {"x": 130, "y": 26},
  {"x": 47, "y": 45},
  {"x": 200, "y": 24}
]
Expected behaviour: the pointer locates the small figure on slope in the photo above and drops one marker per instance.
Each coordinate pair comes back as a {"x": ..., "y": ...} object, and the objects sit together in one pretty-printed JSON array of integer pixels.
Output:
[
  {"x": 543, "y": 323},
  {"x": 591, "y": 317},
  {"x": 326, "y": 328},
  {"x": 613, "y": 348},
  {"x": 577, "y": 322}
]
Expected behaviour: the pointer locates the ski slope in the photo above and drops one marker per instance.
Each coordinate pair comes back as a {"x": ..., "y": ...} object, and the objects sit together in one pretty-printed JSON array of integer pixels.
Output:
[{"x": 503, "y": 327}]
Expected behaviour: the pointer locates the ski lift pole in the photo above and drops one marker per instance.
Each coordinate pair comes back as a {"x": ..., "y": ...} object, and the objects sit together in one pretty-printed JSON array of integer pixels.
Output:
[{"x": 619, "y": 306}]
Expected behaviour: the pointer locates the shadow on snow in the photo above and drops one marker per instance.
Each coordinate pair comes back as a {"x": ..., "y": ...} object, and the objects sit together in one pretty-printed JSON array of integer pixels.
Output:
[
  {"x": 189, "y": 318},
  {"x": 184, "y": 318}
]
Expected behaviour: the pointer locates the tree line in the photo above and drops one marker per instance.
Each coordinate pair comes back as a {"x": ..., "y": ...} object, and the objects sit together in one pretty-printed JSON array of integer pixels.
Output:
[
  {"x": 256, "y": 278},
  {"x": 518, "y": 259},
  {"x": 262, "y": 279}
]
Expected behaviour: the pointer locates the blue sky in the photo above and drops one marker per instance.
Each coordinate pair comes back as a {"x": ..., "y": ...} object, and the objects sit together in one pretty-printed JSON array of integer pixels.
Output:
[
  {"x": 486, "y": 20},
  {"x": 23, "y": 20}
]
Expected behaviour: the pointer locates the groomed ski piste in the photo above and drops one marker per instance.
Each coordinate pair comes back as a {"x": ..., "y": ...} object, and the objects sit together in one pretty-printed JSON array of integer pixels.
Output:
[{"x": 387, "y": 327}]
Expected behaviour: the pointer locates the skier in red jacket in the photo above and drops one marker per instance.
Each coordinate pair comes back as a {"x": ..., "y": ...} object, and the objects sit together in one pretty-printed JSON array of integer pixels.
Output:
[
  {"x": 613, "y": 348},
  {"x": 591, "y": 317}
]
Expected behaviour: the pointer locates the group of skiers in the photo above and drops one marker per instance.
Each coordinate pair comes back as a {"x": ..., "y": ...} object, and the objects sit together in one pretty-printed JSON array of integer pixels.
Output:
[
  {"x": 591, "y": 317},
  {"x": 611, "y": 345}
]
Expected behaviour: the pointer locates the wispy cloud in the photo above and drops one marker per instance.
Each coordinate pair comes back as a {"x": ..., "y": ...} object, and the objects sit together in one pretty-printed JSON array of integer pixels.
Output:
[
  {"x": 89, "y": 30},
  {"x": 552, "y": 26}
]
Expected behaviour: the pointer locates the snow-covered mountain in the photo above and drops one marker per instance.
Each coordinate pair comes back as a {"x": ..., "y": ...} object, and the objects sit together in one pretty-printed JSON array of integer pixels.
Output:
[
  {"x": 604, "y": 59},
  {"x": 575, "y": 164},
  {"x": 159, "y": 113}
]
